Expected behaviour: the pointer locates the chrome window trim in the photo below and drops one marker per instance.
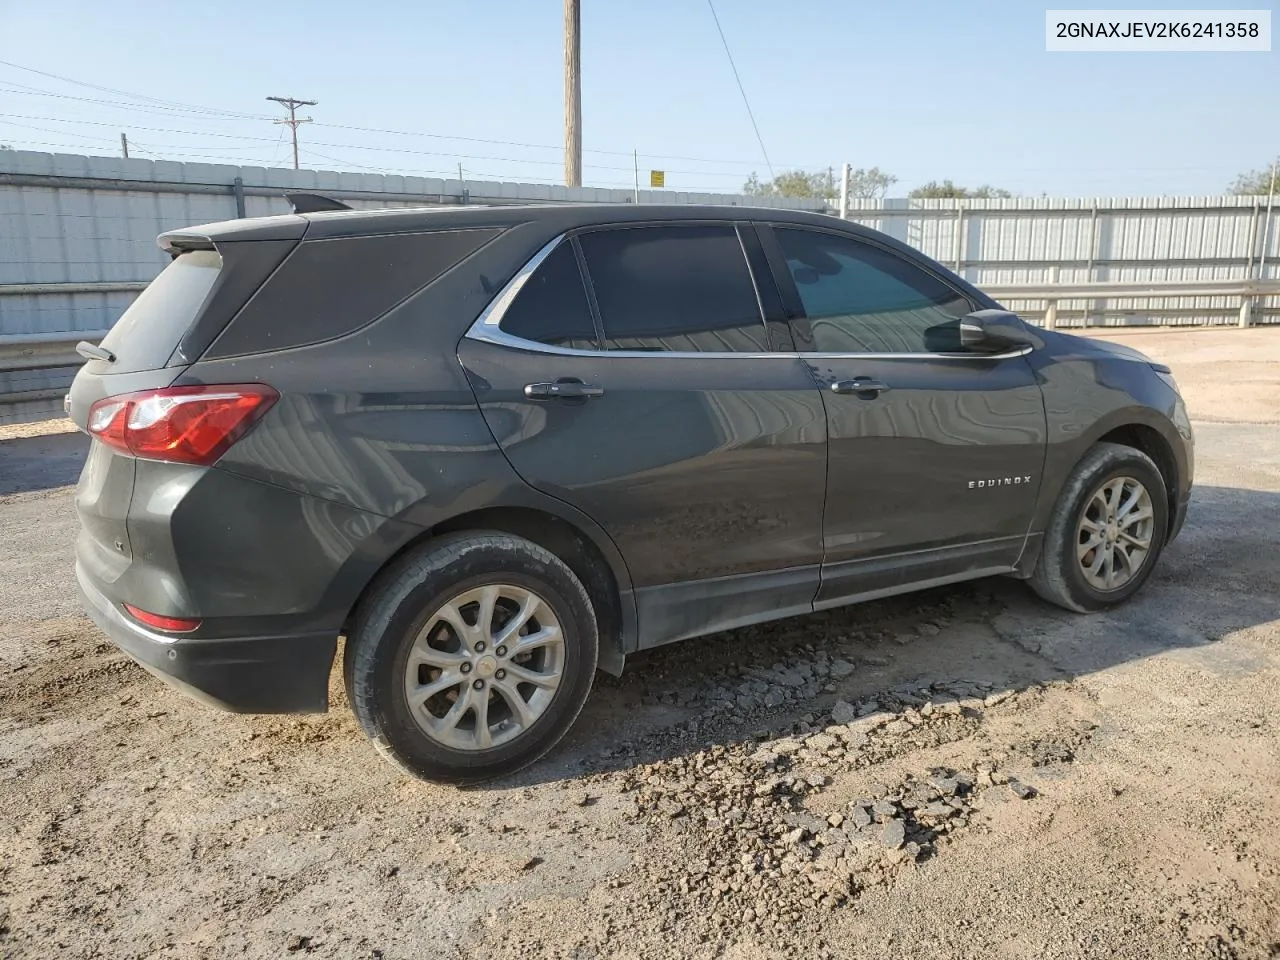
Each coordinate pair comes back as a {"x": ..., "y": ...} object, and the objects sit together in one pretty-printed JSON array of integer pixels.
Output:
[
  {"x": 487, "y": 329},
  {"x": 1020, "y": 351},
  {"x": 755, "y": 285},
  {"x": 491, "y": 316}
]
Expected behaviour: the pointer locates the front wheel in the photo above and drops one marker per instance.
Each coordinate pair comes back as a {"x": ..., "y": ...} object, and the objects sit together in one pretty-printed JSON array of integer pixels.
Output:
[
  {"x": 1106, "y": 530},
  {"x": 472, "y": 658}
]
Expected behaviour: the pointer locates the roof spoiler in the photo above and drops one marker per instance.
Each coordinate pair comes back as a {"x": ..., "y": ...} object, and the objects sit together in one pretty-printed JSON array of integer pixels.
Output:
[
  {"x": 313, "y": 203},
  {"x": 177, "y": 242}
]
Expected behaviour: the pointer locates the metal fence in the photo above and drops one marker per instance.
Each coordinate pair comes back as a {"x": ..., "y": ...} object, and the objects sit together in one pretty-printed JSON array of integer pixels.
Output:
[
  {"x": 77, "y": 239},
  {"x": 77, "y": 242},
  {"x": 1030, "y": 251}
]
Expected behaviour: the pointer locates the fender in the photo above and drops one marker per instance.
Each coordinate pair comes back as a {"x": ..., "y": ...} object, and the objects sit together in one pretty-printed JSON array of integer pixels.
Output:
[{"x": 1062, "y": 455}]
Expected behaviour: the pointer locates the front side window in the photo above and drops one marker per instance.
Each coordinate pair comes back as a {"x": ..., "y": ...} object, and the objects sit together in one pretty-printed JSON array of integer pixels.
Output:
[
  {"x": 551, "y": 307},
  {"x": 860, "y": 298},
  {"x": 674, "y": 288}
]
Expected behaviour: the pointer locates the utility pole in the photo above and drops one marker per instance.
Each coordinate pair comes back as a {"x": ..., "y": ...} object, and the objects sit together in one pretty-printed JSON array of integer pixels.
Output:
[
  {"x": 572, "y": 95},
  {"x": 124, "y": 144},
  {"x": 291, "y": 104}
]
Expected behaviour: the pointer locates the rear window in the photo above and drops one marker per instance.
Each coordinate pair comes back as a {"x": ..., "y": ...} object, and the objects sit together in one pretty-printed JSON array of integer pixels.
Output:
[
  {"x": 330, "y": 288},
  {"x": 682, "y": 288},
  {"x": 145, "y": 336}
]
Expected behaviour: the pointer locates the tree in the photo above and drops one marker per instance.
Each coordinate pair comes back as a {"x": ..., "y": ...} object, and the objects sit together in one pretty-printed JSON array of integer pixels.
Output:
[
  {"x": 933, "y": 190},
  {"x": 870, "y": 184},
  {"x": 792, "y": 183},
  {"x": 6, "y": 146},
  {"x": 822, "y": 185},
  {"x": 1255, "y": 183}
]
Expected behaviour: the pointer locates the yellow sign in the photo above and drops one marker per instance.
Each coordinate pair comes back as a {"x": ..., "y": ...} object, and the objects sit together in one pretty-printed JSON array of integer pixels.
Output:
[{"x": 657, "y": 178}]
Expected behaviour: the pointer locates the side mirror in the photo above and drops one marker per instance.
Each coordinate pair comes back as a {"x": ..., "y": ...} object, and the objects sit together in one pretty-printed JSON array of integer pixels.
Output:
[{"x": 995, "y": 330}]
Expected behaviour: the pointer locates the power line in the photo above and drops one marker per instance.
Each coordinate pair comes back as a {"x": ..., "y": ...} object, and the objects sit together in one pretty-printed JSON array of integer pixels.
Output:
[
  {"x": 226, "y": 115},
  {"x": 126, "y": 93},
  {"x": 143, "y": 148},
  {"x": 26, "y": 90},
  {"x": 741, "y": 89},
  {"x": 356, "y": 146},
  {"x": 171, "y": 151},
  {"x": 57, "y": 133},
  {"x": 275, "y": 153},
  {"x": 537, "y": 146},
  {"x": 114, "y": 123},
  {"x": 444, "y": 173}
]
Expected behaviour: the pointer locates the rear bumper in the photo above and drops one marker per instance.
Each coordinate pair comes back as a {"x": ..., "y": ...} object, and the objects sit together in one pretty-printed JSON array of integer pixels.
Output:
[{"x": 252, "y": 674}]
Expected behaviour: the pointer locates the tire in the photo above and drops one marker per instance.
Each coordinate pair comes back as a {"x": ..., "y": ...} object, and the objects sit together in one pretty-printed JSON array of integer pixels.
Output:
[
  {"x": 408, "y": 614},
  {"x": 1060, "y": 575}
]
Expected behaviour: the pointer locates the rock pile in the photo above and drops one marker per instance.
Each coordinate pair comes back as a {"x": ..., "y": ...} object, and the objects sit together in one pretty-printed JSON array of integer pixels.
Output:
[{"x": 758, "y": 840}]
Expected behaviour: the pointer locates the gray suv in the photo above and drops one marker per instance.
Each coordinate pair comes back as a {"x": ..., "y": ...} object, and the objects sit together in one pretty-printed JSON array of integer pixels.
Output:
[{"x": 499, "y": 448}]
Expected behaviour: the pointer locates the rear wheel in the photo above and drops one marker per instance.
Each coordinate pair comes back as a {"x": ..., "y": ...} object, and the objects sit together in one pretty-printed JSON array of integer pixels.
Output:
[
  {"x": 472, "y": 658},
  {"x": 1106, "y": 531}
]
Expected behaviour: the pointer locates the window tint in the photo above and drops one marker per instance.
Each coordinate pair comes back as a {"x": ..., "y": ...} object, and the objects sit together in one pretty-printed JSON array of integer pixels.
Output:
[
  {"x": 330, "y": 288},
  {"x": 144, "y": 337},
  {"x": 862, "y": 299},
  {"x": 678, "y": 288},
  {"x": 552, "y": 305}
]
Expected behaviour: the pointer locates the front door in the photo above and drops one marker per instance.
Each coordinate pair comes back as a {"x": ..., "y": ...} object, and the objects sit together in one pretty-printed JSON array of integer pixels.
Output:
[
  {"x": 934, "y": 454},
  {"x": 651, "y": 398}
]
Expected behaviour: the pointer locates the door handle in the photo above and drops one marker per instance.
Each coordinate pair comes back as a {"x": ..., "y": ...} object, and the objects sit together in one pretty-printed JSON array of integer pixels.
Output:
[
  {"x": 566, "y": 388},
  {"x": 863, "y": 387}
]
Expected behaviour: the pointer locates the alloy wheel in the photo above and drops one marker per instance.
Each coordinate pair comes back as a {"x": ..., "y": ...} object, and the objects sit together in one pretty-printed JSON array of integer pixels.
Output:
[
  {"x": 1113, "y": 537},
  {"x": 484, "y": 667}
]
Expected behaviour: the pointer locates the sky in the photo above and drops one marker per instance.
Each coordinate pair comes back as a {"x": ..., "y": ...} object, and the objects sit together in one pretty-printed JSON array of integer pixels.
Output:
[{"x": 926, "y": 90}]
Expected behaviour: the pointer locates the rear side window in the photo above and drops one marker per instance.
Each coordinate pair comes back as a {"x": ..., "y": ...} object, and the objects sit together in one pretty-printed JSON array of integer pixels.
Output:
[
  {"x": 552, "y": 306},
  {"x": 330, "y": 288},
  {"x": 145, "y": 335},
  {"x": 860, "y": 298},
  {"x": 674, "y": 288}
]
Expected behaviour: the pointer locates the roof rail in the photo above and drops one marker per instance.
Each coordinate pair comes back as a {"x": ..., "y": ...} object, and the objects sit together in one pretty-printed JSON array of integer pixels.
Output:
[{"x": 313, "y": 203}]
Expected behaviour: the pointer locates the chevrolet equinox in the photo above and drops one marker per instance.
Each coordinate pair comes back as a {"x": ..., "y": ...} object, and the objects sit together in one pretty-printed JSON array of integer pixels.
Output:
[{"x": 499, "y": 448}]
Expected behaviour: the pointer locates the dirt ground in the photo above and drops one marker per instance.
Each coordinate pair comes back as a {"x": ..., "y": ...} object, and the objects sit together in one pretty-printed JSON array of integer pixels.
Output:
[{"x": 999, "y": 779}]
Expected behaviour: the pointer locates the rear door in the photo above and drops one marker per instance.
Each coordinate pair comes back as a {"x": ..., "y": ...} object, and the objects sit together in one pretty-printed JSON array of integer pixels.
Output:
[
  {"x": 635, "y": 376},
  {"x": 934, "y": 453}
]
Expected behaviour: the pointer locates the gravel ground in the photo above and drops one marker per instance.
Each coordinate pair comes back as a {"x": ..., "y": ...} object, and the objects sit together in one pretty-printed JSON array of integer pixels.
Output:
[{"x": 960, "y": 773}]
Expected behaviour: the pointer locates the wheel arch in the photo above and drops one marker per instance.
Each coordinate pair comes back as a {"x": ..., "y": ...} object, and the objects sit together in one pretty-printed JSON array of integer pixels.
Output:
[
  {"x": 600, "y": 568},
  {"x": 1149, "y": 440},
  {"x": 1138, "y": 427}
]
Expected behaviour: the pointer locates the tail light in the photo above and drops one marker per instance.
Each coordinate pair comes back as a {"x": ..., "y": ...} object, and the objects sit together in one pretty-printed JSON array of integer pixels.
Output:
[{"x": 180, "y": 424}]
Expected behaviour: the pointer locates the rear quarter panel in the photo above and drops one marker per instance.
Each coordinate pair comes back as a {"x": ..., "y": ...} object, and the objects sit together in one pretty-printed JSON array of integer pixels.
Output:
[{"x": 383, "y": 422}]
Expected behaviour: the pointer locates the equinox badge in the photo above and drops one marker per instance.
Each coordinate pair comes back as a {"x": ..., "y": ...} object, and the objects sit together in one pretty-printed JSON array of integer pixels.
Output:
[{"x": 998, "y": 482}]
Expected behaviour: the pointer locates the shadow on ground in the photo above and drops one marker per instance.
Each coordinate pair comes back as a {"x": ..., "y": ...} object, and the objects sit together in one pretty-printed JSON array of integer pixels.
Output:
[
  {"x": 1222, "y": 575},
  {"x": 41, "y": 463}
]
